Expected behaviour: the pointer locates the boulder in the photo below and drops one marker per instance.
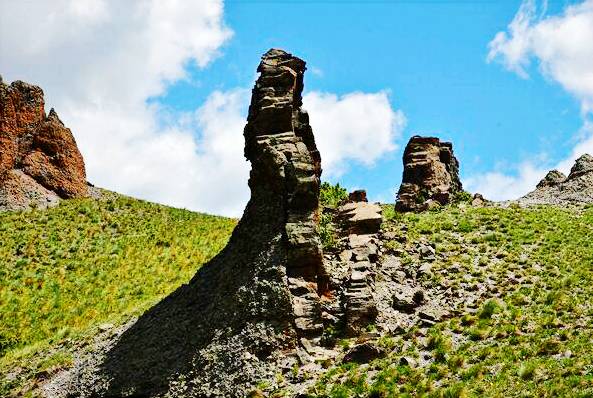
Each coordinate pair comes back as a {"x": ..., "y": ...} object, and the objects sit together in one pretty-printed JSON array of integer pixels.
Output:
[
  {"x": 431, "y": 174},
  {"x": 364, "y": 353},
  {"x": 39, "y": 158},
  {"x": 360, "y": 217},
  {"x": 360, "y": 195},
  {"x": 478, "y": 200}
]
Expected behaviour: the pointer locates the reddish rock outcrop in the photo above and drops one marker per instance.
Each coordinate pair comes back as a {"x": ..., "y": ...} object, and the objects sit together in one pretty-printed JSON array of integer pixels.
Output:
[
  {"x": 360, "y": 195},
  {"x": 431, "y": 174},
  {"x": 39, "y": 159}
]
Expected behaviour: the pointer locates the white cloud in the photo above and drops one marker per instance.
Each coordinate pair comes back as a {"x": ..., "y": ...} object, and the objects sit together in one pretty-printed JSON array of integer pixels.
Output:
[
  {"x": 358, "y": 127},
  {"x": 100, "y": 61},
  {"x": 501, "y": 185},
  {"x": 563, "y": 47}
]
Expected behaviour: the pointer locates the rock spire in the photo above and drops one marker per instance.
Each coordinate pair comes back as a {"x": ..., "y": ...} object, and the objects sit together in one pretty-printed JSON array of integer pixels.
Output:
[{"x": 253, "y": 304}]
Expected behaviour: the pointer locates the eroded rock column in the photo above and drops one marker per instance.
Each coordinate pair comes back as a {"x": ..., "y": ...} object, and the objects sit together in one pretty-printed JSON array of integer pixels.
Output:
[{"x": 279, "y": 142}]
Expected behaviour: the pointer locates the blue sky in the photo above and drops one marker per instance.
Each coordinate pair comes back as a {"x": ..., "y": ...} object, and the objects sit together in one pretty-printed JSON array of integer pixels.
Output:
[
  {"x": 431, "y": 56},
  {"x": 156, "y": 93}
]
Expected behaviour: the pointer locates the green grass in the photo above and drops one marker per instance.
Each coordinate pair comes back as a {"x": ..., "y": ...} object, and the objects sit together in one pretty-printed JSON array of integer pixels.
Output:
[
  {"x": 68, "y": 270},
  {"x": 330, "y": 198},
  {"x": 535, "y": 340},
  {"x": 85, "y": 263}
]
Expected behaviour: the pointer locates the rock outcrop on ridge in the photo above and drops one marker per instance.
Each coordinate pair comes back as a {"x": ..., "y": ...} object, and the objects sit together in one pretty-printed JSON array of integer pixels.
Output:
[
  {"x": 244, "y": 313},
  {"x": 39, "y": 159},
  {"x": 431, "y": 174},
  {"x": 557, "y": 189}
]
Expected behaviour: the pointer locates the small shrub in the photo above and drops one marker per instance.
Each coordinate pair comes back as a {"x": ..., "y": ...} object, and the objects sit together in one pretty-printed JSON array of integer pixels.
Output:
[
  {"x": 488, "y": 309},
  {"x": 527, "y": 370},
  {"x": 332, "y": 196},
  {"x": 462, "y": 197}
]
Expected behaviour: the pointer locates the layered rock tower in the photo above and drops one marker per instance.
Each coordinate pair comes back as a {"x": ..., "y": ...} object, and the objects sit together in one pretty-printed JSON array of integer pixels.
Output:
[
  {"x": 431, "y": 174},
  {"x": 251, "y": 305},
  {"x": 39, "y": 159},
  {"x": 279, "y": 143}
]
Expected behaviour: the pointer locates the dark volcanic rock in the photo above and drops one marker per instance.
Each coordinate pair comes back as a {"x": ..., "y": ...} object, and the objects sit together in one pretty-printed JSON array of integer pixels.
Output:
[
  {"x": 39, "y": 159},
  {"x": 431, "y": 174},
  {"x": 558, "y": 189},
  {"x": 222, "y": 332}
]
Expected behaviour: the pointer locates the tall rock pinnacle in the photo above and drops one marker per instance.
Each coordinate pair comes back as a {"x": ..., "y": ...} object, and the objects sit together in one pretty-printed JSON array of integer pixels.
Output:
[
  {"x": 286, "y": 165},
  {"x": 249, "y": 306}
]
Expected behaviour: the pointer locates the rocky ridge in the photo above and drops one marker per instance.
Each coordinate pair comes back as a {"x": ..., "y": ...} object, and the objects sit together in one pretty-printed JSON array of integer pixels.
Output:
[
  {"x": 557, "y": 189},
  {"x": 39, "y": 159},
  {"x": 431, "y": 174}
]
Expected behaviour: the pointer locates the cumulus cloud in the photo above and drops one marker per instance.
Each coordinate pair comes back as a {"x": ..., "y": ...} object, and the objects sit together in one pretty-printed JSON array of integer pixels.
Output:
[
  {"x": 356, "y": 127},
  {"x": 562, "y": 46},
  {"x": 506, "y": 184},
  {"x": 101, "y": 62}
]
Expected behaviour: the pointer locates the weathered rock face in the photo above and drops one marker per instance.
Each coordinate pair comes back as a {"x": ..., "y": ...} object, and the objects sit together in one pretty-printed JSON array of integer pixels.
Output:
[
  {"x": 360, "y": 222},
  {"x": 250, "y": 307},
  {"x": 280, "y": 145},
  {"x": 551, "y": 179},
  {"x": 582, "y": 166},
  {"x": 556, "y": 188},
  {"x": 39, "y": 159},
  {"x": 360, "y": 195},
  {"x": 431, "y": 174}
]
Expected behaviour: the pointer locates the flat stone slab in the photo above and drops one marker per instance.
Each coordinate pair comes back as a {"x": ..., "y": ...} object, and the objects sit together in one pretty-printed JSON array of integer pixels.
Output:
[{"x": 361, "y": 217}]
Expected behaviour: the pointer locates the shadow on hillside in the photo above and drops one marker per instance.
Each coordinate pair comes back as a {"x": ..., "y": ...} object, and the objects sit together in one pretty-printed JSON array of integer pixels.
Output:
[{"x": 166, "y": 341}]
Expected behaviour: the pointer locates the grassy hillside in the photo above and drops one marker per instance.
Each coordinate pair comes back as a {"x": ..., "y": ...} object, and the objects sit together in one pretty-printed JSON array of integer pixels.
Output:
[
  {"x": 88, "y": 263},
  {"x": 535, "y": 340}
]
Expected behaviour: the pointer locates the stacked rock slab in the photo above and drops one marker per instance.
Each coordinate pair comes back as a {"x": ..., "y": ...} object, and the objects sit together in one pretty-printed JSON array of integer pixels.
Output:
[
  {"x": 39, "y": 159},
  {"x": 556, "y": 188},
  {"x": 431, "y": 174},
  {"x": 246, "y": 310},
  {"x": 360, "y": 221}
]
